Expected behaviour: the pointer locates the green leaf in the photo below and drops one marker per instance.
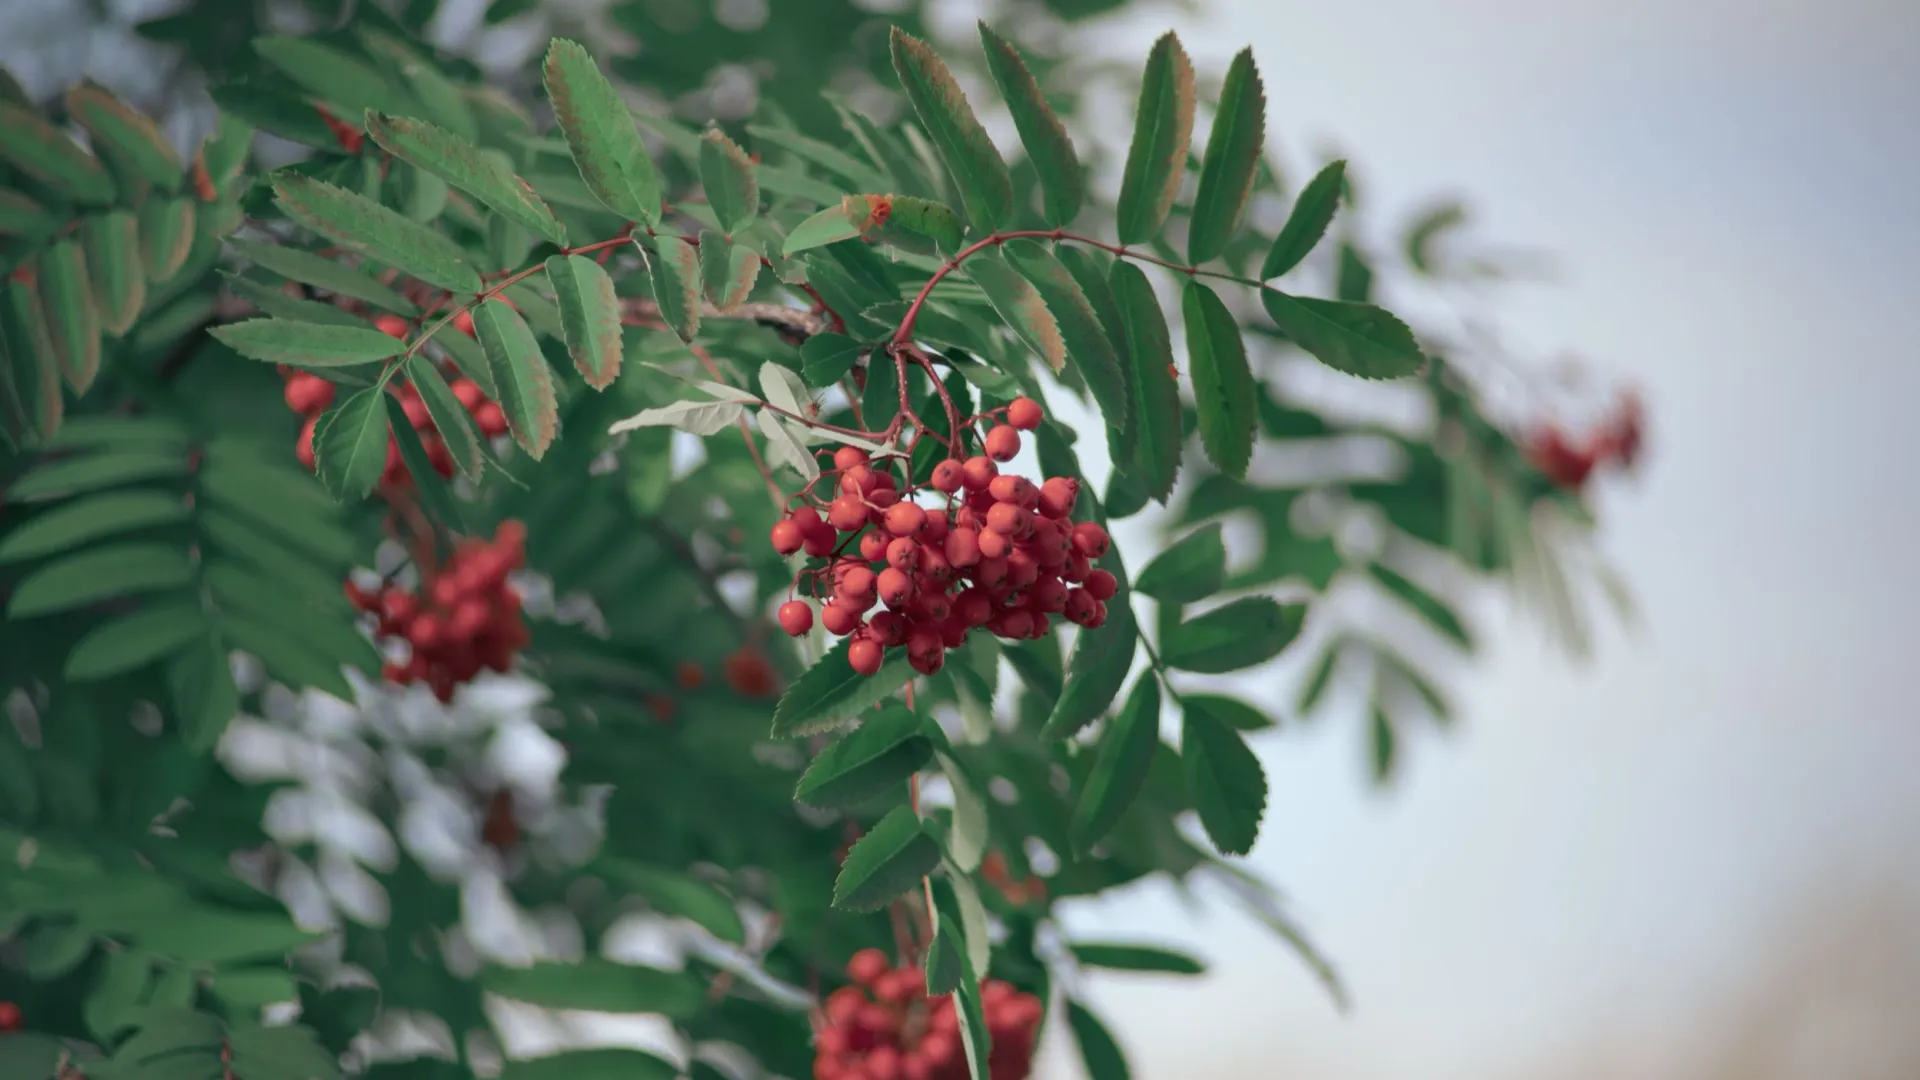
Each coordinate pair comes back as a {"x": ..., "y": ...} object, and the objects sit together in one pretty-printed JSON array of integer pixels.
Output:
[
  {"x": 675, "y": 270},
  {"x": 671, "y": 892},
  {"x": 350, "y": 444},
  {"x": 1384, "y": 743},
  {"x": 727, "y": 271},
  {"x": 603, "y": 1063},
  {"x": 589, "y": 317},
  {"x": 123, "y": 978},
  {"x": 1430, "y": 226},
  {"x": 254, "y": 989},
  {"x": 1191, "y": 570},
  {"x": 1062, "y": 181},
  {"x": 75, "y": 475},
  {"x": 1119, "y": 957},
  {"x": 1359, "y": 339},
  {"x": 1225, "y": 781},
  {"x": 1101, "y": 660},
  {"x": 285, "y": 1050},
  {"x": 53, "y": 950},
  {"x": 856, "y": 173},
  {"x": 305, "y": 344},
  {"x": 450, "y": 418},
  {"x": 1086, "y": 340},
  {"x": 331, "y": 75},
  {"x": 1155, "y": 387},
  {"x": 467, "y": 167},
  {"x": 322, "y": 273},
  {"x": 429, "y": 489},
  {"x": 933, "y": 220},
  {"x": 597, "y": 985},
  {"x": 90, "y": 519},
  {"x": 359, "y": 224},
  {"x": 115, "y": 570},
  {"x": 1099, "y": 1051},
  {"x": 943, "y": 962},
  {"x": 831, "y": 692},
  {"x": 1313, "y": 211},
  {"x": 45, "y": 153},
  {"x": 28, "y": 342},
  {"x": 1232, "y": 712},
  {"x": 1126, "y": 753},
  {"x": 826, "y": 358},
  {"x": 205, "y": 699},
  {"x": 112, "y": 242},
  {"x": 24, "y": 218},
  {"x": 600, "y": 133},
  {"x": 1162, "y": 130},
  {"x": 985, "y": 185},
  {"x": 1318, "y": 680},
  {"x": 521, "y": 374},
  {"x": 1428, "y": 606},
  {"x": 727, "y": 175},
  {"x": 1223, "y": 386},
  {"x": 122, "y": 644},
  {"x": 207, "y": 935},
  {"x": 73, "y": 319},
  {"x": 828, "y": 226},
  {"x": 1233, "y": 152},
  {"x": 879, "y": 755},
  {"x": 975, "y": 1038},
  {"x": 967, "y": 839},
  {"x": 890, "y": 859},
  {"x": 166, "y": 236},
  {"x": 442, "y": 100},
  {"x": 1019, "y": 303},
  {"x": 1240, "y": 634}
]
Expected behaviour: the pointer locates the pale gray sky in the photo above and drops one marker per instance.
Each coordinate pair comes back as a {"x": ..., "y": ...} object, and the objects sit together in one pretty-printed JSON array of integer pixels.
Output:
[{"x": 1598, "y": 856}]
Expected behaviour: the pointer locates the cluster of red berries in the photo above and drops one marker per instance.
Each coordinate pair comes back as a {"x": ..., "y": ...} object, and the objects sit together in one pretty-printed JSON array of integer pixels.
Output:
[
  {"x": 468, "y": 620},
  {"x": 10, "y": 1019},
  {"x": 1003, "y": 553},
  {"x": 1617, "y": 441},
  {"x": 885, "y": 1027},
  {"x": 309, "y": 395}
]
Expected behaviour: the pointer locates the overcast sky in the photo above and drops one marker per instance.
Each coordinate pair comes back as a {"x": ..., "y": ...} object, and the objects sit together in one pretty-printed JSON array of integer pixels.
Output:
[{"x": 1599, "y": 855}]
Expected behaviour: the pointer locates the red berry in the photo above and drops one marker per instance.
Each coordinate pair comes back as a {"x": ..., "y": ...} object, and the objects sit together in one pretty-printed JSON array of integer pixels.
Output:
[
  {"x": 1017, "y": 490},
  {"x": 303, "y": 450},
  {"x": 1057, "y": 497},
  {"x": 795, "y": 617},
  {"x": 905, "y": 519},
  {"x": 786, "y": 537},
  {"x": 973, "y": 608},
  {"x": 9, "y": 1017},
  {"x": 846, "y": 514},
  {"x": 416, "y": 411},
  {"x": 978, "y": 472},
  {"x": 1079, "y": 606},
  {"x": 848, "y": 456},
  {"x": 864, "y": 656},
  {"x": 821, "y": 539},
  {"x": 391, "y": 325},
  {"x": 888, "y": 628},
  {"x": 467, "y": 393},
  {"x": 424, "y": 632},
  {"x": 748, "y": 672},
  {"x": 963, "y": 548},
  {"x": 1024, "y": 413},
  {"x": 859, "y": 479},
  {"x": 1006, "y": 519},
  {"x": 858, "y": 581},
  {"x": 838, "y": 618},
  {"x": 1002, "y": 443},
  {"x": 994, "y": 545},
  {"x": 1091, "y": 540},
  {"x": 1101, "y": 584},
  {"x": 949, "y": 476},
  {"x": 903, "y": 554},
  {"x": 1099, "y": 616},
  {"x": 895, "y": 587},
  {"x": 307, "y": 393},
  {"x": 873, "y": 545},
  {"x": 463, "y": 322},
  {"x": 490, "y": 420}
]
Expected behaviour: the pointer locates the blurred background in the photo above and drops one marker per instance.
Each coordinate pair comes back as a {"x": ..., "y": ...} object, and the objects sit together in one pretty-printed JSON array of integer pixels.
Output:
[{"x": 1696, "y": 854}]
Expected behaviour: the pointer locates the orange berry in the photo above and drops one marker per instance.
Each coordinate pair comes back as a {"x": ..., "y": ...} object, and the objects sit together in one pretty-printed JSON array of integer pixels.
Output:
[
  {"x": 864, "y": 656},
  {"x": 796, "y": 618},
  {"x": 1025, "y": 413},
  {"x": 391, "y": 325},
  {"x": 1002, "y": 443}
]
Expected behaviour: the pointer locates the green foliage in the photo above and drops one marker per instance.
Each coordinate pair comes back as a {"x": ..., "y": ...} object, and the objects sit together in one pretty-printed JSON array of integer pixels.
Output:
[{"x": 774, "y": 287}]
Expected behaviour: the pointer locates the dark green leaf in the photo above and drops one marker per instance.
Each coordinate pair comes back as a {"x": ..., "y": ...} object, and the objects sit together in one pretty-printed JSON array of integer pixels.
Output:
[
  {"x": 521, "y": 374},
  {"x": 600, "y": 132},
  {"x": 1061, "y": 179},
  {"x": 1162, "y": 130},
  {"x": 944, "y": 960},
  {"x": 831, "y": 692},
  {"x": 727, "y": 175},
  {"x": 1099, "y": 1051},
  {"x": 1429, "y": 607},
  {"x": 359, "y": 224},
  {"x": 985, "y": 185},
  {"x": 1223, "y": 386},
  {"x": 1430, "y": 226},
  {"x": 20, "y": 216},
  {"x": 727, "y": 271},
  {"x": 111, "y": 469},
  {"x": 287, "y": 1050},
  {"x": 205, "y": 699},
  {"x": 589, "y": 316},
  {"x": 828, "y": 226},
  {"x": 1101, "y": 660},
  {"x": 1232, "y": 712},
  {"x": 450, "y": 418},
  {"x": 1019, "y": 303},
  {"x": 673, "y": 893},
  {"x": 826, "y": 358},
  {"x": 1240, "y": 634},
  {"x": 166, "y": 236},
  {"x": 90, "y": 519},
  {"x": 46, "y": 154},
  {"x": 73, "y": 318},
  {"x": 99, "y": 573},
  {"x": 1359, "y": 339},
  {"x": 304, "y": 344},
  {"x": 322, "y": 273},
  {"x": 1233, "y": 151},
  {"x": 1120, "y": 957},
  {"x": 1126, "y": 753},
  {"x": 1225, "y": 781},
  {"x": 332, "y": 75},
  {"x": 675, "y": 269},
  {"x": 890, "y": 859},
  {"x": 126, "y": 642},
  {"x": 1384, "y": 742},
  {"x": 856, "y": 173},
  {"x": 880, "y": 754},
  {"x": 604, "y": 1063},
  {"x": 598, "y": 986},
  {"x": 1318, "y": 680},
  {"x": 112, "y": 242},
  {"x": 350, "y": 444},
  {"x": 429, "y": 489},
  {"x": 1155, "y": 386},
  {"x": 1191, "y": 570},
  {"x": 132, "y": 136},
  {"x": 1355, "y": 279},
  {"x": 1312, "y": 212},
  {"x": 467, "y": 167},
  {"x": 1085, "y": 338}
]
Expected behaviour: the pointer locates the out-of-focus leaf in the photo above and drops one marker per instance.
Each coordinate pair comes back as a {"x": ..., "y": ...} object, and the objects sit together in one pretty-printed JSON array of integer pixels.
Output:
[
  {"x": 126, "y": 642},
  {"x": 45, "y": 153},
  {"x": 112, "y": 242},
  {"x": 73, "y": 319},
  {"x": 1189, "y": 571},
  {"x": 98, "y": 573},
  {"x": 322, "y": 273},
  {"x": 1126, "y": 753}
]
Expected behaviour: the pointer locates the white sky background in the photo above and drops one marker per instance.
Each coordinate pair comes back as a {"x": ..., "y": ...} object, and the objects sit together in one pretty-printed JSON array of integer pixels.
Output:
[{"x": 1597, "y": 859}]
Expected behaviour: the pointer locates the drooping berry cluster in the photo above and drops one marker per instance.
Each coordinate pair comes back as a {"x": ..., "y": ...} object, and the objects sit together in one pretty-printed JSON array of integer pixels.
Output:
[
  {"x": 1002, "y": 553},
  {"x": 466, "y": 618},
  {"x": 309, "y": 395},
  {"x": 885, "y": 1027},
  {"x": 1569, "y": 463}
]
